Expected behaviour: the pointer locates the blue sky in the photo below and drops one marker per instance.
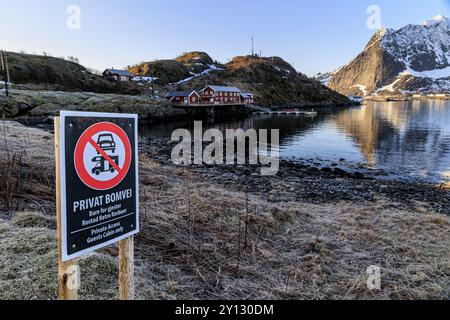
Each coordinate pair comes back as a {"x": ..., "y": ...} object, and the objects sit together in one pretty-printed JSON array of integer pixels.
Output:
[{"x": 313, "y": 35}]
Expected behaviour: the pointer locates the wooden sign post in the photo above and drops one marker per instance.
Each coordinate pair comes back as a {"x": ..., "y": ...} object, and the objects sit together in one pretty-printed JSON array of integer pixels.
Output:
[
  {"x": 67, "y": 271},
  {"x": 97, "y": 193},
  {"x": 126, "y": 269}
]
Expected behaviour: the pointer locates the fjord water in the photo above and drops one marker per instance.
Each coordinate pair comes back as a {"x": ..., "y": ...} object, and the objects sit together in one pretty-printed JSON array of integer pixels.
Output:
[
  {"x": 391, "y": 140},
  {"x": 404, "y": 140}
]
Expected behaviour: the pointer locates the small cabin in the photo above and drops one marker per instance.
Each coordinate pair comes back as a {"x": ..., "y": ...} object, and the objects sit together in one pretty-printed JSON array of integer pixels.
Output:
[
  {"x": 220, "y": 95},
  {"x": 117, "y": 75},
  {"x": 184, "y": 97},
  {"x": 247, "y": 98}
]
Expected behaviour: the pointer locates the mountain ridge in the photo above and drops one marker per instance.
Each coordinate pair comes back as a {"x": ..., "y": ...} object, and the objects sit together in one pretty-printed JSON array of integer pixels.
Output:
[{"x": 274, "y": 81}]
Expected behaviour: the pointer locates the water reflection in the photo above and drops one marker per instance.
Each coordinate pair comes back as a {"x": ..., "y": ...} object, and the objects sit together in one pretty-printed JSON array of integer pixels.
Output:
[
  {"x": 407, "y": 139},
  {"x": 410, "y": 138}
]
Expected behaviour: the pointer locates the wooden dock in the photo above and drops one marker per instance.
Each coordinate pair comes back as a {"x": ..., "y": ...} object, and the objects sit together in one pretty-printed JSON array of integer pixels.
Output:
[
  {"x": 251, "y": 108},
  {"x": 208, "y": 105},
  {"x": 287, "y": 113}
]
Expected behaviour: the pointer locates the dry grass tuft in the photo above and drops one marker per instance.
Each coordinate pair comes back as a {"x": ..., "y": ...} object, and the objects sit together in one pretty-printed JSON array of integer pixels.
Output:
[
  {"x": 27, "y": 265},
  {"x": 26, "y": 170},
  {"x": 33, "y": 220}
]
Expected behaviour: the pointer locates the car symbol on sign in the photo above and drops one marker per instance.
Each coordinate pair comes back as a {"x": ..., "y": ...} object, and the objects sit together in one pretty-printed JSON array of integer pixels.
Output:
[{"x": 106, "y": 142}]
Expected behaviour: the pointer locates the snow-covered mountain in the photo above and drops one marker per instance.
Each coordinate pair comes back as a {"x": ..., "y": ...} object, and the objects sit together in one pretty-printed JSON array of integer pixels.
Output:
[{"x": 415, "y": 58}]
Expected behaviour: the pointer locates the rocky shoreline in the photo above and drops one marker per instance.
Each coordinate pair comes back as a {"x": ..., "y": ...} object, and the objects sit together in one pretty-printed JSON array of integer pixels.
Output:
[{"x": 310, "y": 182}]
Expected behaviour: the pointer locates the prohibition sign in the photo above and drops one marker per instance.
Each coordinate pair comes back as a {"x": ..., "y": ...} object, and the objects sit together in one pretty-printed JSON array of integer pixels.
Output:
[{"x": 113, "y": 156}]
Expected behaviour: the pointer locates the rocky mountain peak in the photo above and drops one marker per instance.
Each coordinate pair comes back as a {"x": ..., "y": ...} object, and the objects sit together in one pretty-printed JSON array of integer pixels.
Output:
[
  {"x": 414, "y": 58},
  {"x": 421, "y": 47},
  {"x": 438, "y": 20}
]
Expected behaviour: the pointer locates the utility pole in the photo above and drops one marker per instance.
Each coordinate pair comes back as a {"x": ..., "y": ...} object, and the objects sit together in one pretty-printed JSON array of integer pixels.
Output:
[
  {"x": 4, "y": 60},
  {"x": 4, "y": 70},
  {"x": 153, "y": 82},
  {"x": 8, "y": 79}
]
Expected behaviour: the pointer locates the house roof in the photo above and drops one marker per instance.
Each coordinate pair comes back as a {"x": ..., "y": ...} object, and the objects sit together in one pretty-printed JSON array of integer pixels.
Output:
[
  {"x": 180, "y": 93},
  {"x": 223, "y": 89},
  {"x": 246, "y": 95},
  {"x": 123, "y": 73}
]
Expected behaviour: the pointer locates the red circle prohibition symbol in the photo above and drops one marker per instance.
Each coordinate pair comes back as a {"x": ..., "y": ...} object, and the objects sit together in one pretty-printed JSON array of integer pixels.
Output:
[{"x": 86, "y": 139}]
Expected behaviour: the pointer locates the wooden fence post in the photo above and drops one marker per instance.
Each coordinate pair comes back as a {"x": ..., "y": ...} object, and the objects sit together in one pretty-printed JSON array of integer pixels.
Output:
[
  {"x": 68, "y": 272},
  {"x": 126, "y": 269}
]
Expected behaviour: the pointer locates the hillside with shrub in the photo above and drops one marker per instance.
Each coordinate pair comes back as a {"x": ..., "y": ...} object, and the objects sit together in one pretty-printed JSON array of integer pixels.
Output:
[{"x": 59, "y": 74}]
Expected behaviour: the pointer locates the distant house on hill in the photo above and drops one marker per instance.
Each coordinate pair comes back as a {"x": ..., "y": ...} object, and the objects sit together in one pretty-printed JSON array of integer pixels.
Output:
[
  {"x": 183, "y": 97},
  {"x": 220, "y": 95},
  {"x": 117, "y": 75}
]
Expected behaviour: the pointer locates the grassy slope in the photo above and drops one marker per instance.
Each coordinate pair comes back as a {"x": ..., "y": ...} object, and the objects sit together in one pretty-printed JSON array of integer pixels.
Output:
[{"x": 59, "y": 74}]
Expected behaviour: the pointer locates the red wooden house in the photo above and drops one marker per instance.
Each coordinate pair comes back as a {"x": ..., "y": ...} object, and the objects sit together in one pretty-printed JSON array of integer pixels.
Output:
[
  {"x": 247, "y": 98},
  {"x": 184, "y": 97},
  {"x": 220, "y": 95}
]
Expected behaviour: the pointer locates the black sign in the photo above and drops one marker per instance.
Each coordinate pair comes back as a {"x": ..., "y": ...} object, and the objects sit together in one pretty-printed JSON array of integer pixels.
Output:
[{"x": 99, "y": 180}]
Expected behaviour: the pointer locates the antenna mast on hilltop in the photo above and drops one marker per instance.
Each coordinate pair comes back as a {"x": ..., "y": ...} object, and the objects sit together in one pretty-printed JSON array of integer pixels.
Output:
[{"x": 253, "y": 45}]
